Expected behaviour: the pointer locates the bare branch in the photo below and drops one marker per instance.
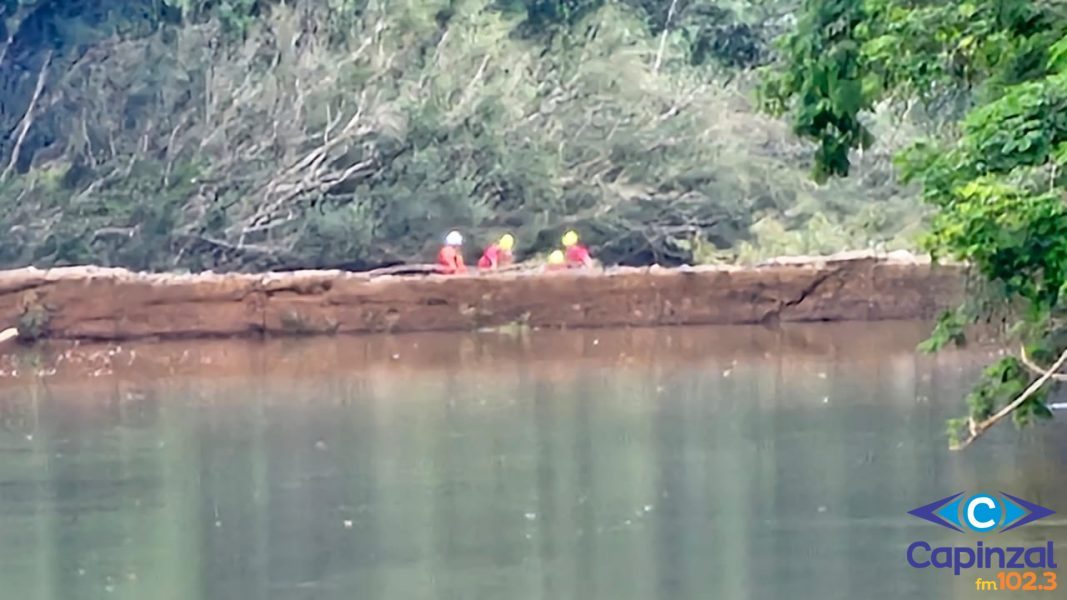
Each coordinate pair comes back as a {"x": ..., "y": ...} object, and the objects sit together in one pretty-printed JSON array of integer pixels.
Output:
[
  {"x": 681, "y": 104},
  {"x": 115, "y": 232},
  {"x": 5, "y": 46},
  {"x": 1034, "y": 368},
  {"x": 663, "y": 36},
  {"x": 27, "y": 118},
  {"x": 171, "y": 153},
  {"x": 106, "y": 180},
  {"x": 88, "y": 140},
  {"x": 977, "y": 429},
  {"x": 475, "y": 81},
  {"x": 348, "y": 173}
]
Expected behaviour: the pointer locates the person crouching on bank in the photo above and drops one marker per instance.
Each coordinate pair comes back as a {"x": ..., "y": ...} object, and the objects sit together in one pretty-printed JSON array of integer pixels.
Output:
[
  {"x": 450, "y": 257},
  {"x": 576, "y": 254},
  {"x": 498, "y": 254}
]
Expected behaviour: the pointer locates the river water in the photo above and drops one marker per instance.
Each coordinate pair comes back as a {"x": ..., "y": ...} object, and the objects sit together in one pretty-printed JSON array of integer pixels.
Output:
[{"x": 730, "y": 463}]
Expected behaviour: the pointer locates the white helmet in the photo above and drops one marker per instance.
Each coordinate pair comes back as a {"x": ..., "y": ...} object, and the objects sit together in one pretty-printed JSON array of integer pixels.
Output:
[{"x": 454, "y": 238}]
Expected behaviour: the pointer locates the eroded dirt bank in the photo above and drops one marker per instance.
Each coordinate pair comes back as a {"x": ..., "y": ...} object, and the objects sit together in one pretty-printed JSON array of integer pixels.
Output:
[{"x": 115, "y": 304}]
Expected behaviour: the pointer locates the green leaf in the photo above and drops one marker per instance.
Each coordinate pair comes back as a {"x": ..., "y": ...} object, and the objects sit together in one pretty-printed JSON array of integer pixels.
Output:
[
  {"x": 1057, "y": 61},
  {"x": 847, "y": 96}
]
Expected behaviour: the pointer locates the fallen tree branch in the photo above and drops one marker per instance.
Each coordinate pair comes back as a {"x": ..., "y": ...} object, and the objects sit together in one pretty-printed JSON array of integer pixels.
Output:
[
  {"x": 266, "y": 217},
  {"x": 1029, "y": 364},
  {"x": 468, "y": 93},
  {"x": 115, "y": 232},
  {"x": 977, "y": 429},
  {"x": 423, "y": 269},
  {"x": 319, "y": 153},
  {"x": 681, "y": 104},
  {"x": 27, "y": 118},
  {"x": 345, "y": 175},
  {"x": 115, "y": 175},
  {"x": 256, "y": 250}
]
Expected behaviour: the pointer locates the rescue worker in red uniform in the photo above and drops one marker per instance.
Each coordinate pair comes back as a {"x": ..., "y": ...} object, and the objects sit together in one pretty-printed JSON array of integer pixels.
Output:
[
  {"x": 497, "y": 254},
  {"x": 450, "y": 258},
  {"x": 576, "y": 254}
]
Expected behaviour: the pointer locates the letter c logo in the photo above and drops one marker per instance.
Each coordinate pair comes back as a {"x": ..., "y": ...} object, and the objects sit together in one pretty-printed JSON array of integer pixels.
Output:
[{"x": 983, "y": 513}]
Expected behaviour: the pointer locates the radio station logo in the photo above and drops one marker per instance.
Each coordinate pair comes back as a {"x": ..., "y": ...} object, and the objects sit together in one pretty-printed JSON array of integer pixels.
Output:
[{"x": 981, "y": 514}]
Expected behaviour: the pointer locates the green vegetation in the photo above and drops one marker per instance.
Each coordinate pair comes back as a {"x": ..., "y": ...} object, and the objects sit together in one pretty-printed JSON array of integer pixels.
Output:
[
  {"x": 259, "y": 134},
  {"x": 995, "y": 74}
]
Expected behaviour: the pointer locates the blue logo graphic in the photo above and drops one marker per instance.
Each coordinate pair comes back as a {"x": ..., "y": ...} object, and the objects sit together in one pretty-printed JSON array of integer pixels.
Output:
[{"x": 981, "y": 513}]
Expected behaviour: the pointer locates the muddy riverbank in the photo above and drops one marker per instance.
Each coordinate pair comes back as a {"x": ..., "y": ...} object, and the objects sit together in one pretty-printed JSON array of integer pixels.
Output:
[{"x": 89, "y": 303}]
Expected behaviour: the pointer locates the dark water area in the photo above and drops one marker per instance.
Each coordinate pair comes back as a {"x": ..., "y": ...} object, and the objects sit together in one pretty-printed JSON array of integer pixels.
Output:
[{"x": 634, "y": 464}]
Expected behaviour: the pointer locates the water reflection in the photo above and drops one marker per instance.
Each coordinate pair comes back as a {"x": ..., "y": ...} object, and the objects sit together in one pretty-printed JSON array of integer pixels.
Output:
[{"x": 683, "y": 463}]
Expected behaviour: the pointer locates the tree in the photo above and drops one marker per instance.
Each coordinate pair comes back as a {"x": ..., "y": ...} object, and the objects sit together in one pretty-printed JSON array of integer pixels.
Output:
[
  {"x": 994, "y": 72},
  {"x": 259, "y": 134}
]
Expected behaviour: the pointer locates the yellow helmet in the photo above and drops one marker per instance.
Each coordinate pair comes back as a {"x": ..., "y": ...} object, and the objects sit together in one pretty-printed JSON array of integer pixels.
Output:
[
  {"x": 570, "y": 238},
  {"x": 556, "y": 258},
  {"x": 507, "y": 242}
]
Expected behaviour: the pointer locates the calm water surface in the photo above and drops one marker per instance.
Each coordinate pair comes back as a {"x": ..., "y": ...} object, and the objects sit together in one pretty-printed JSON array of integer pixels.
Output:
[{"x": 648, "y": 464}]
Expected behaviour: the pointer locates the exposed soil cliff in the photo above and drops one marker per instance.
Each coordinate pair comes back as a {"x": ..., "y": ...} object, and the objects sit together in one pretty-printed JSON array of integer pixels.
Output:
[{"x": 114, "y": 304}]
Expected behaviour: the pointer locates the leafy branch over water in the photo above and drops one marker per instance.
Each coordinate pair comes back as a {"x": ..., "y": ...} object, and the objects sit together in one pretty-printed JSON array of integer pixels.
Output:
[
  {"x": 1013, "y": 408},
  {"x": 997, "y": 71}
]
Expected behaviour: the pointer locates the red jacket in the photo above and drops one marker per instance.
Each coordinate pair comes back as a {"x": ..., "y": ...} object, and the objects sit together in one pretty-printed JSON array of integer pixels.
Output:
[
  {"x": 493, "y": 257},
  {"x": 450, "y": 261},
  {"x": 578, "y": 256}
]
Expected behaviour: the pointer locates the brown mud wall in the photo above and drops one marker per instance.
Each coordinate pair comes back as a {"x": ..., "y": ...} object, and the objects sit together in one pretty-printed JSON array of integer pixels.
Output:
[{"x": 115, "y": 304}]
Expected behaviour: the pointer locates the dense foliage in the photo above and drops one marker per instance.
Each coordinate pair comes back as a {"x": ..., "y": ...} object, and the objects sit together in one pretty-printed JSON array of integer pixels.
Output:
[
  {"x": 996, "y": 73},
  {"x": 255, "y": 134}
]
